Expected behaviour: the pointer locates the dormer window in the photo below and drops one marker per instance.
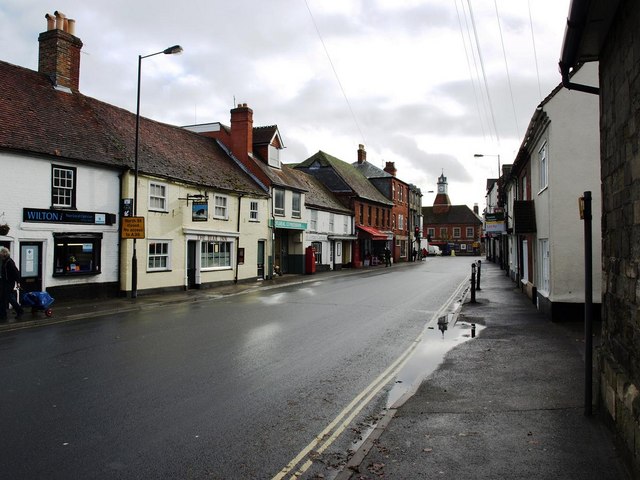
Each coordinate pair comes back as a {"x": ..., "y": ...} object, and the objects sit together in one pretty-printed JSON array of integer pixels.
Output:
[{"x": 274, "y": 157}]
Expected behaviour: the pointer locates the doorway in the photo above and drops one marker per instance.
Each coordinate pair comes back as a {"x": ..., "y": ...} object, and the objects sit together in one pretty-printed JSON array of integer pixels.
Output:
[
  {"x": 191, "y": 264},
  {"x": 261, "y": 248},
  {"x": 31, "y": 266}
]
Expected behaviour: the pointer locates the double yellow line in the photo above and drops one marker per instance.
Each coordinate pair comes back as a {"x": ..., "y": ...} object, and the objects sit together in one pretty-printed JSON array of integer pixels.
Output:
[{"x": 332, "y": 431}]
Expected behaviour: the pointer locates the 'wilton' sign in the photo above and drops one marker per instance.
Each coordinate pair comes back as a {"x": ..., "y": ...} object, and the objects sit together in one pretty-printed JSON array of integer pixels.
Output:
[{"x": 39, "y": 215}]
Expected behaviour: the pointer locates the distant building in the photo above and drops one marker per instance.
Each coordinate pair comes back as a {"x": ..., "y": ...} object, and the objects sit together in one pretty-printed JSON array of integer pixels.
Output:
[{"x": 451, "y": 227}]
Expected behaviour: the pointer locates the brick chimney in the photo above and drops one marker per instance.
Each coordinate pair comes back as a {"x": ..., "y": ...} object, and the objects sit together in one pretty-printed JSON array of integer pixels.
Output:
[
  {"x": 59, "y": 56},
  {"x": 362, "y": 154},
  {"x": 241, "y": 131},
  {"x": 476, "y": 210},
  {"x": 391, "y": 168}
]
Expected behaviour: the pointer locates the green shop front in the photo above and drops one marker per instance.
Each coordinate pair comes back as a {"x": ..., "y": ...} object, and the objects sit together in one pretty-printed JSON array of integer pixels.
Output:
[{"x": 288, "y": 246}]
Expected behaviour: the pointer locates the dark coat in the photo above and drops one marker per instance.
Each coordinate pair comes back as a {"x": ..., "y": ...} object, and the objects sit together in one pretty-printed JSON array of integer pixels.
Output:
[{"x": 10, "y": 272}]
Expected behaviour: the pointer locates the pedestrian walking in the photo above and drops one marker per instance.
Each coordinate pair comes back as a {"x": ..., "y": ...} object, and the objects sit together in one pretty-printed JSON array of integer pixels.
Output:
[
  {"x": 10, "y": 279},
  {"x": 387, "y": 257}
]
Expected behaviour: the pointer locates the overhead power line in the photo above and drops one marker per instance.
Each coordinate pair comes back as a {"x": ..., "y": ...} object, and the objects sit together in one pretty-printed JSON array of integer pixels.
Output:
[{"x": 326, "y": 51}]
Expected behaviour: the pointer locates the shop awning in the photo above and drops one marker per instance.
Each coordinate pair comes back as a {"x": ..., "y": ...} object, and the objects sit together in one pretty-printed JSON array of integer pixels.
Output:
[{"x": 374, "y": 233}]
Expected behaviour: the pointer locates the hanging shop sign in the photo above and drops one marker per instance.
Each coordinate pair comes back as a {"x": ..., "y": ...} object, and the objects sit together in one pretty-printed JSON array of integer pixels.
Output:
[{"x": 199, "y": 211}]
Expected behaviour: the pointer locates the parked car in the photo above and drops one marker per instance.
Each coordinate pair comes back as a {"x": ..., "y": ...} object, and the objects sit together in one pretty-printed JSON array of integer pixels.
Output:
[{"x": 433, "y": 250}]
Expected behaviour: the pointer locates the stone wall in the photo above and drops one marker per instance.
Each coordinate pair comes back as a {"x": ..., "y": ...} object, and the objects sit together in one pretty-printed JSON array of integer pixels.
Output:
[{"x": 618, "y": 359}]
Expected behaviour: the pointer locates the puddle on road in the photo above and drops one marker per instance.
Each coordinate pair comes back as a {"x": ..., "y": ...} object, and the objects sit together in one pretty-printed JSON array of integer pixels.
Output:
[{"x": 438, "y": 338}]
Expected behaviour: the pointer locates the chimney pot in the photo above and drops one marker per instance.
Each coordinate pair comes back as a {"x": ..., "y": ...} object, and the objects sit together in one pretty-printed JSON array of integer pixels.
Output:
[
  {"x": 59, "y": 54},
  {"x": 51, "y": 22}
]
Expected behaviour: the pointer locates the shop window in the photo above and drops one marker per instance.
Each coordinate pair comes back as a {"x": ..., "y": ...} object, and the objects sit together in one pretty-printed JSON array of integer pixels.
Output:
[
  {"x": 159, "y": 258},
  {"x": 77, "y": 254},
  {"x": 215, "y": 255},
  {"x": 63, "y": 187}
]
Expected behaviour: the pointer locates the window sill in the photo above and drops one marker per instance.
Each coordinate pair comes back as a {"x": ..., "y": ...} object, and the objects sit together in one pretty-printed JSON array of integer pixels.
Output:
[
  {"x": 159, "y": 270},
  {"x": 158, "y": 211},
  {"x": 74, "y": 274}
]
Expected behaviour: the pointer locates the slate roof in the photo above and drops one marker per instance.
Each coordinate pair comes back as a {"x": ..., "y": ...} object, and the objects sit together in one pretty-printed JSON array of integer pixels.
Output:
[
  {"x": 341, "y": 177},
  {"x": 317, "y": 195},
  {"x": 371, "y": 171},
  {"x": 457, "y": 214},
  {"x": 37, "y": 119}
]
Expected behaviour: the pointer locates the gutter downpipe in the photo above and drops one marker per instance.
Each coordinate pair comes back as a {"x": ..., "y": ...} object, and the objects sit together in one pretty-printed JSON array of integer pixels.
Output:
[
  {"x": 573, "y": 31},
  {"x": 235, "y": 278}
]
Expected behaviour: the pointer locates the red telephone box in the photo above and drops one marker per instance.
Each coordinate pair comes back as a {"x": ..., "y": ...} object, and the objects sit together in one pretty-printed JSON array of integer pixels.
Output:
[{"x": 310, "y": 260}]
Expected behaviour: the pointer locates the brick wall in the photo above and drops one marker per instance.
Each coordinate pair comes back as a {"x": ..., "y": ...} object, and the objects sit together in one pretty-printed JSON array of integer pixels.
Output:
[{"x": 618, "y": 360}]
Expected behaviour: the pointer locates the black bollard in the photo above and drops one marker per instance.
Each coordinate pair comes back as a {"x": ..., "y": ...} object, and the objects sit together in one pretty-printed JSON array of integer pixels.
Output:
[
  {"x": 473, "y": 330},
  {"x": 479, "y": 270},
  {"x": 473, "y": 283}
]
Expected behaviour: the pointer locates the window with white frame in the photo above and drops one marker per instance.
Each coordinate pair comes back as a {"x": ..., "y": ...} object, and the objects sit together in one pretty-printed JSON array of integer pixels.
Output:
[
  {"x": 456, "y": 232},
  {"x": 443, "y": 233},
  {"x": 331, "y": 222},
  {"x": 158, "y": 255},
  {"x": 431, "y": 232},
  {"x": 157, "y": 197},
  {"x": 544, "y": 264},
  {"x": 543, "y": 163},
  {"x": 278, "y": 201},
  {"x": 470, "y": 232},
  {"x": 215, "y": 255},
  {"x": 296, "y": 205},
  {"x": 63, "y": 187},
  {"x": 346, "y": 224},
  {"x": 274, "y": 157},
  {"x": 400, "y": 220},
  {"x": 253, "y": 211},
  {"x": 313, "y": 220},
  {"x": 220, "y": 208}
]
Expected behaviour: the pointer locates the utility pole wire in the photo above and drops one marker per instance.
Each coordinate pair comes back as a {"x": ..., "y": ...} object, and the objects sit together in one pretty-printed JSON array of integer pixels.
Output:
[
  {"x": 484, "y": 75},
  {"x": 326, "y": 51},
  {"x": 506, "y": 66},
  {"x": 535, "y": 54},
  {"x": 473, "y": 83}
]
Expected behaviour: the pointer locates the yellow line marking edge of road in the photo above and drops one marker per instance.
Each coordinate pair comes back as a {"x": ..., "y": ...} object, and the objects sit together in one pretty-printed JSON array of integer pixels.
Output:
[{"x": 339, "y": 424}]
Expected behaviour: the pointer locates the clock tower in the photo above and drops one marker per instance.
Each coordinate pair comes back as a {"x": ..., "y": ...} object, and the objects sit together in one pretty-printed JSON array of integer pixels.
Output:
[{"x": 442, "y": 203}]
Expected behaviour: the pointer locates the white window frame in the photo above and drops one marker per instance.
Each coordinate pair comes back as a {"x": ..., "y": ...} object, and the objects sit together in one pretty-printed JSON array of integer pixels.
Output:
[
  {"x": 274, "y": 157},
  {"x": 470, "y": 232},
  {"x": 346, "y": 224},
  {"x": 543, "y": 166},
  {"x": 253, "y": 211},
  {"x": 431, "y": 232},
  {"x": 278, "y": 201},
  {"x": 154, "y": 196},
  {"x": 63, "y": 186},
  {"x": 165, "y": 254},
  {"x": 313, "y": 220},
  {"x": 221, "y": 207},
  {"x": 400, "y": 220},
  {"x": 331, "y": 222},
  {"x": 457, "y": 232},
  {"x": 296, "y": 205}
]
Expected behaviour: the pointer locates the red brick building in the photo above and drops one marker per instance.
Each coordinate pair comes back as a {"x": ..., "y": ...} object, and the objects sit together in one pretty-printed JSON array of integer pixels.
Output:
[{"x": 451, "y": 227}]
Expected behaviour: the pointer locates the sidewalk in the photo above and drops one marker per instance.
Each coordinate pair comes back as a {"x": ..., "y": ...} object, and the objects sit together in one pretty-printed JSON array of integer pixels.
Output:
[{"x": 506, "y": 405}]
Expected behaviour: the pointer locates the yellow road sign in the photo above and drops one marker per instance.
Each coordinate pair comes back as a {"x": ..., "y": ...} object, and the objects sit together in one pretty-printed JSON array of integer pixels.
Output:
[{"x": 132, "y": 227}]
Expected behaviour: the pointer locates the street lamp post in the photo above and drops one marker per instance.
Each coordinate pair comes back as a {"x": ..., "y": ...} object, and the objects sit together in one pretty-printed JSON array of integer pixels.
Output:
[
  {"x": 479, "y": 155},
  {"x": 134, "y": 259}
]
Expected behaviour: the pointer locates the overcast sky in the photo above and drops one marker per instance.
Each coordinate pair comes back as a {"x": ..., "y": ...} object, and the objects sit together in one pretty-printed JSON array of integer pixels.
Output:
[{"x": 416, "y": 95}]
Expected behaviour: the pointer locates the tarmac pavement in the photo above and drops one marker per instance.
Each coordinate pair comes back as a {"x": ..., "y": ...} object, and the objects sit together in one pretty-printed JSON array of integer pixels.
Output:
[{"x": 508, "y": 404}]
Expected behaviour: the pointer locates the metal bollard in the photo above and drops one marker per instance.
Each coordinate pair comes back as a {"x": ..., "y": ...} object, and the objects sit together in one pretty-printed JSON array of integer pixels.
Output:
[
  {"x": 473, "y": 283},
  {"x": 479, "y": 270},
  {"x": 473, "y": 330}
]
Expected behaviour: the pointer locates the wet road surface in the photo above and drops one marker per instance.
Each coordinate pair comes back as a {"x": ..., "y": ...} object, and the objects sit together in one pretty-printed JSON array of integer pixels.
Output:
[{"x": 229, "y": 388}]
